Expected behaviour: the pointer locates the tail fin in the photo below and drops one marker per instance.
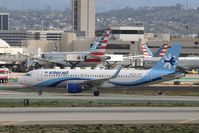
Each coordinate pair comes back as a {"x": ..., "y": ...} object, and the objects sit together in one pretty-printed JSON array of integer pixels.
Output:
[
  {"x": 161, "y": 51},
  {"x": 169, "y": 61},
  {"x": 99, "y": 46},
  {"x": 146, "y": 51}
]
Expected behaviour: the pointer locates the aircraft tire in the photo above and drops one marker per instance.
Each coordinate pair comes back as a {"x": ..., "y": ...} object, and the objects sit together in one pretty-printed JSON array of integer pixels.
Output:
[
  {"x": 39, "y": 93},
  {"x": 96, "y": 93},
  {"x": 160, "y": 93}
]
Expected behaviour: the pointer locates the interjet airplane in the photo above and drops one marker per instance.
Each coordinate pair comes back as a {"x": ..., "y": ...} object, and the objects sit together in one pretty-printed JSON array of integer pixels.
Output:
[
  {"x": 76, "y": 81},
  {"x": 184, "y": 63}
]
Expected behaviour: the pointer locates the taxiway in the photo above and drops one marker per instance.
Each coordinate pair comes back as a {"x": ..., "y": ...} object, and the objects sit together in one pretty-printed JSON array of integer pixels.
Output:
[{"x": 98, "y": 115}]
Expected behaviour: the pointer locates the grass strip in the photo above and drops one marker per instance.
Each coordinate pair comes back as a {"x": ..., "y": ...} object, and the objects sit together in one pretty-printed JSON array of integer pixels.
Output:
[
  {"x": 96, "y": 103},
  {"x": 120, "y": 128}
]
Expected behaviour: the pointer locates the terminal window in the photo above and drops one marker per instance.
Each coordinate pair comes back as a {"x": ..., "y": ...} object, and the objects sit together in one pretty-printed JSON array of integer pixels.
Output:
[{"x": 127, "y": 31}]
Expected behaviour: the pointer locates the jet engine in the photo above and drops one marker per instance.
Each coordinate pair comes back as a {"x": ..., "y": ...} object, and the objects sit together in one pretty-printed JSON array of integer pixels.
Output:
[
  {"x": 74, "y": 87},
  {"x": 105, "y": 58}
]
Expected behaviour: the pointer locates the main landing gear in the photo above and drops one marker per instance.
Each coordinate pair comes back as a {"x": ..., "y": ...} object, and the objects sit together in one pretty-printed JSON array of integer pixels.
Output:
[
  {"x": 95, "y": 91},
  {"x": 40, "y": 92},
  {"x": 93, "y": 88}
]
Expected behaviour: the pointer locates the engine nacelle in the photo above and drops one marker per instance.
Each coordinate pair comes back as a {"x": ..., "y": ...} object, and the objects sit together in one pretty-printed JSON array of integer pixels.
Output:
[
  {"x": 105, "y": 58},
  {"x": 75, "y": 87}
]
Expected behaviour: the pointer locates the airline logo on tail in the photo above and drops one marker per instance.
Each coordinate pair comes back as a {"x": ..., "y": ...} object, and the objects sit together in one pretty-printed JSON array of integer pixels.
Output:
[
  {"x": 146, "y": 51},
  {"x": 99, "y": 47},
  {"x": 161, "y": 51},
  {"x": 169, "y": 61}
]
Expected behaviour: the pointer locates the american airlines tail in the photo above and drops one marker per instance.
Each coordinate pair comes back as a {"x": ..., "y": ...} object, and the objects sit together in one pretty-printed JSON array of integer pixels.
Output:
[
  {"x": 146, "y": 51},
  {"x": 99, "y": 46},
  {"x": 161, "y": 51}
]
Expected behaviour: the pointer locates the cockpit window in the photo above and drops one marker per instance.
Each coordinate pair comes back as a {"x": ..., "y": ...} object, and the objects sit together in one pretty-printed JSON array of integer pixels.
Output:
[{"x": 28, "y": 74}]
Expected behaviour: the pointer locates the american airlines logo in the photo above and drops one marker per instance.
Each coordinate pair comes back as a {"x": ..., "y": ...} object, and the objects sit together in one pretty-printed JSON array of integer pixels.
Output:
[{"x": 169, "y": 61}]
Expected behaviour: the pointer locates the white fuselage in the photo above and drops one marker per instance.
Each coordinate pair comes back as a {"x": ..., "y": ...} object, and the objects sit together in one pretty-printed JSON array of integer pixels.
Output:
[
  {"x": 184, "y": 62},
  {"x": 84, "y": 59},
  {"x": 59, "y": 78}
]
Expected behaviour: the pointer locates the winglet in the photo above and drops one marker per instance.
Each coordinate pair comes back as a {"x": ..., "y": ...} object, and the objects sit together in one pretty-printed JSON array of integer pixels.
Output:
[{"x": 116, "y": 73}]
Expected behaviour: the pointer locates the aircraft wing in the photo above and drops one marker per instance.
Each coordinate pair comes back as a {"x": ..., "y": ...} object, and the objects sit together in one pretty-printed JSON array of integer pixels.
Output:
[
  {"x": 43, "y": 61},
  {"x": 98, "y": 82},
  {"x": 40, "y": 60},
  {"x": 60, "y": 62}
]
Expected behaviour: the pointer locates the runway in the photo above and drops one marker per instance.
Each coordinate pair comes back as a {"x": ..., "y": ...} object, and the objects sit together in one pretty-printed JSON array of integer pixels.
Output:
[{"x": 98, "y": 115}]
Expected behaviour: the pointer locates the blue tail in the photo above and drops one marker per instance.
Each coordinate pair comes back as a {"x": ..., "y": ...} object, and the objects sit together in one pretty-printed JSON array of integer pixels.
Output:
[{"x": 170, "y": 60}]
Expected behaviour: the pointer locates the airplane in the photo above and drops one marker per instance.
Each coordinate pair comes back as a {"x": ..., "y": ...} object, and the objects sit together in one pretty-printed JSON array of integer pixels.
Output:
[
  {"x": 77, "y": 81},
  {"x": 184, "y": 64},
  {"x": 94, "y": 55}
]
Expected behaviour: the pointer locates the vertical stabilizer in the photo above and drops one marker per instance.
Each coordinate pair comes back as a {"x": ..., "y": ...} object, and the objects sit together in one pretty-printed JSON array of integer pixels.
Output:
[
  {"x": 170, "y": 59},
  {"x": 146, "y": 51},
  {"x": 99, "y": 46},
  {"x": 161, "y": 51}
]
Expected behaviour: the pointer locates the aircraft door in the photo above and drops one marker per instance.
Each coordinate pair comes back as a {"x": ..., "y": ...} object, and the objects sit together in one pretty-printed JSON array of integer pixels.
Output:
[{"x": 39, "y": 75}]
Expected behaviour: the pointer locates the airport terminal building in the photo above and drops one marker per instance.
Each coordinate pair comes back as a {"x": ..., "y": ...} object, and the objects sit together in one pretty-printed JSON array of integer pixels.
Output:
[
  {"x": 123, "y": 40},
  {"x": 4, "y": 21}
]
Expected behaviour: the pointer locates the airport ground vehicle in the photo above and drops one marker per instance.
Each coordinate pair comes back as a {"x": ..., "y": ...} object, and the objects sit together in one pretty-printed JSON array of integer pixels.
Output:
[{"x": 4, "y": 75}]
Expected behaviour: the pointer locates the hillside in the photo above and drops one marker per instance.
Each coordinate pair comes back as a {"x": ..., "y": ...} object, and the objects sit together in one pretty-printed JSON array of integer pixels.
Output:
[{"x": 170, "y": 19}]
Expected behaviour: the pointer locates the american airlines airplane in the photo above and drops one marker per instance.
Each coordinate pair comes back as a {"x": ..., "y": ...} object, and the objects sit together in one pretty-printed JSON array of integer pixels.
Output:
[{"x": 76, "y": 81}]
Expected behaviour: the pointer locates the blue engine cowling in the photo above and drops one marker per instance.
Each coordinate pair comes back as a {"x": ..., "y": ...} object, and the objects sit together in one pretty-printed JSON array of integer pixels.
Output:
[{"x": 74, "y": 87}]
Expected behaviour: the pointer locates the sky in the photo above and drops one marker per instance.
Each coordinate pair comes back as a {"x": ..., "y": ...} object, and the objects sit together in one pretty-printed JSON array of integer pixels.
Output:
[
  {"x": 112, "y": 4},
  {"x": 102, "y": 5}
]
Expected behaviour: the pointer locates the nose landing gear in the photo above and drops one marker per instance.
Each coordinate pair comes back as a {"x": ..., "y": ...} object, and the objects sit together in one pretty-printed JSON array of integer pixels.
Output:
[{"x": 96, "y": 93}]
